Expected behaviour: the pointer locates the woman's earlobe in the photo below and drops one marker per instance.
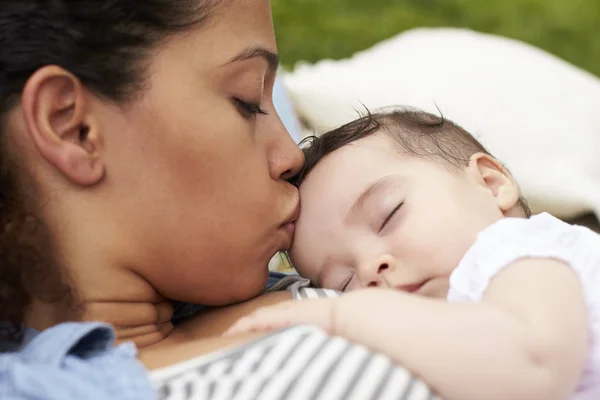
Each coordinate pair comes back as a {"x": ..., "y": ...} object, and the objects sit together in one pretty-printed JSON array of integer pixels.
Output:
[{"x": 56, "y": 112}]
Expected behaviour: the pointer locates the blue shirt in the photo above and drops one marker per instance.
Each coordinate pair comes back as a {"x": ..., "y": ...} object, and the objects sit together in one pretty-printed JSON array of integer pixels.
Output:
[
  {"x": 74, "y": 361},
  {"x": 78, "y": 361}
]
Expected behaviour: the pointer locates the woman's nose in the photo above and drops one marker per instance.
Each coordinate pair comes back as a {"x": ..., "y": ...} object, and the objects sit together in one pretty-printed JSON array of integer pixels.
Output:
[
  {"x": 285, "y": 158},
  {"x": 371, "y": 275}
]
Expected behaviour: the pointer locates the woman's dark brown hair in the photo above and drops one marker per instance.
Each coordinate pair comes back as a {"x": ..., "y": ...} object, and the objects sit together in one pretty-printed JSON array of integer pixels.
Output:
[
  {"x": 106, "y": 44},
  {"x": 414, "y": 132}
]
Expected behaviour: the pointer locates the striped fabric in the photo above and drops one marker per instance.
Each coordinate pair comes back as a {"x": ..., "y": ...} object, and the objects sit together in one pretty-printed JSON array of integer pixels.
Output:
[
  {"x": 301, "y": 289},
  {"x": 296, "y": 363},
  {"x": 300, "y": 362}
]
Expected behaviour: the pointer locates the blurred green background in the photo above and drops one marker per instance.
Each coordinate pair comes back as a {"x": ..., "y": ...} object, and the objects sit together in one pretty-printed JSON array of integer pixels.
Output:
[{"x": 315, "y": 29}]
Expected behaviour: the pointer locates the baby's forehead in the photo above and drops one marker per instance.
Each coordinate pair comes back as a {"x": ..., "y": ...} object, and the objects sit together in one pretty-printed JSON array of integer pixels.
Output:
[
  {"x": 354, "y": 164},
  {"x": 331, "y": 179}
]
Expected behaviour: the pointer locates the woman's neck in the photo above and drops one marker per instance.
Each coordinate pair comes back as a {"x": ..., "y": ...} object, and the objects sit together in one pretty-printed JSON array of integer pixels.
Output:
[
  {"x": 124, "y": 300},
  {"x": 100, "y": 259},
  {"x": 201, "y": 334}
]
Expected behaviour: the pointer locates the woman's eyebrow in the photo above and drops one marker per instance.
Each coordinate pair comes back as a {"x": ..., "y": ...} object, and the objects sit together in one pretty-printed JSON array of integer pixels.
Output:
[{"x": 269, "y": 56}]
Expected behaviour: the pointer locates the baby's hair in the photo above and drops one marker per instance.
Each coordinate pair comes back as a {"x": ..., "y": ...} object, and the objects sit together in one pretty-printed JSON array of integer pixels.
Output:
[{"x": 416, "y": 133}]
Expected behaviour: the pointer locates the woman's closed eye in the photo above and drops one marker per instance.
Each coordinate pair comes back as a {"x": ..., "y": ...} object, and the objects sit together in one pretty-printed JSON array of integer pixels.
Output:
[
  {"x": 249, "y": 109},
  {"x": 390, "y": 215}
]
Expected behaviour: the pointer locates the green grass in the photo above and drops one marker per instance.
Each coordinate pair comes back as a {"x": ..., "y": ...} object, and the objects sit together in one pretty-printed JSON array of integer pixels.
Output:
[{"x": 315, "y": 29}]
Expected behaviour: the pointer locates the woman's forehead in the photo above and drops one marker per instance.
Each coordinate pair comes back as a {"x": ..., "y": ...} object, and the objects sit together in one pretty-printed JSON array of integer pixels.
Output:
[
  {"x": 234, "y": 29},
  {"x": 245, "y": 23}
]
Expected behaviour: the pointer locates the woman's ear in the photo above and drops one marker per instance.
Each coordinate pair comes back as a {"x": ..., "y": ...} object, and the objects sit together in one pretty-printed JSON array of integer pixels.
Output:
[
  {"x": 57, "y": 116},
  {"x": 491, "y": 174}
]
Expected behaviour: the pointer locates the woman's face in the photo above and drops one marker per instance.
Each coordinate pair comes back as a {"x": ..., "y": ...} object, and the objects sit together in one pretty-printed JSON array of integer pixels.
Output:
[{"x": 195, "y": 169}]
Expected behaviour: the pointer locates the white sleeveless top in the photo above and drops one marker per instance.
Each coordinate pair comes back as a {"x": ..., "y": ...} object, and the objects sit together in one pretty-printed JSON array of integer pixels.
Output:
[{"x": 541, "y": 236}]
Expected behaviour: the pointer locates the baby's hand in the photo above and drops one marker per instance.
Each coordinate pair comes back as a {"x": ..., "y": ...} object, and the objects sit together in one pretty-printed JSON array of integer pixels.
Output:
[{"x": 317, "y": 312}]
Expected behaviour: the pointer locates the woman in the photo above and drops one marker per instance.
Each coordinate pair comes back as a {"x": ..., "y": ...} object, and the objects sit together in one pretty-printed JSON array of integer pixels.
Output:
[{"x": 142, "y": 162}]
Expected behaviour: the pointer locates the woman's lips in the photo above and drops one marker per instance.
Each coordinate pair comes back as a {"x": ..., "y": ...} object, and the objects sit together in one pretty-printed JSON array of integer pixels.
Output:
[
  {"x": 293, "y": 215},
  {"x": 288, "y": 229},
  {"x": 289, "y": 225}
]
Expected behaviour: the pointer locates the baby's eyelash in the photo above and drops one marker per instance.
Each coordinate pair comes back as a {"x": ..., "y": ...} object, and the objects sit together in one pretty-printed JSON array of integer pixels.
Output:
[
  {"x": 387, "y": 219},
  {"x": 345, "y": 286}
]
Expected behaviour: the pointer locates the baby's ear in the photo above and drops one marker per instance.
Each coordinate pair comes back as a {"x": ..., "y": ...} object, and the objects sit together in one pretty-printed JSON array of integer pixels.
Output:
[{"x": 491, "y": 174}]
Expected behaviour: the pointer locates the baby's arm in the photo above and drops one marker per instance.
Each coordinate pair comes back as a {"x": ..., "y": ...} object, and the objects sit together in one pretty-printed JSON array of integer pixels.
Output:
[{"x": 527, "y": 339}]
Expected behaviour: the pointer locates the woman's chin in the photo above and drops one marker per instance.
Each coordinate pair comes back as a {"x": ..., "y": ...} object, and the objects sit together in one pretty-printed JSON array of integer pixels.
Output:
[
  {"x": 253, "y": 285},
  {"x": 242, "y": 288}
]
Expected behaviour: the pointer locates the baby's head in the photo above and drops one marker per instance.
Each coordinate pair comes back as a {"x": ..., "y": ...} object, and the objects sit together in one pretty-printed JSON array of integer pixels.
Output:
[{"x": 395, "y": 199}]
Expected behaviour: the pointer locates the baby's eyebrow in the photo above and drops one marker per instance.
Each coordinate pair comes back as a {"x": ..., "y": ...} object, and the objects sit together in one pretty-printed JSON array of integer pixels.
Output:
[{"x": 359, "y": 204}]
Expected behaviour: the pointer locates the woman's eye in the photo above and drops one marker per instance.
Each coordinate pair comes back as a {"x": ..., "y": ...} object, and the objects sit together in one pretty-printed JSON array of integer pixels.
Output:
[
  {"x": 249, "y": 109},
  {"x": 390, "y": 215}
]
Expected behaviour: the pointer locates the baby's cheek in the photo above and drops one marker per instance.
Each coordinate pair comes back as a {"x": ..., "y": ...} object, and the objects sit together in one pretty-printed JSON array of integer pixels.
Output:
[
  {"x": 302, "y": 269},
  {"x": 436, "y": 288}
]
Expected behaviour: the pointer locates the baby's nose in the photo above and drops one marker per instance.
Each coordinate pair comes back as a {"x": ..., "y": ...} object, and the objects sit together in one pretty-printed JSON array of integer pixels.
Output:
[{"x": 379, "y": 267}]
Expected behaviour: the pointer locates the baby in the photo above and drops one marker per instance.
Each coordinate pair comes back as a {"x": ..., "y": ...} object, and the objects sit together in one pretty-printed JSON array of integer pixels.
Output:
[{"x": 463, "y": 287}]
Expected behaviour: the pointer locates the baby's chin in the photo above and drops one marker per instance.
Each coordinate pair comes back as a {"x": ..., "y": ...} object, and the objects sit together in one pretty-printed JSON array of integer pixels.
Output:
[{"x": 436, "y": 288}]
